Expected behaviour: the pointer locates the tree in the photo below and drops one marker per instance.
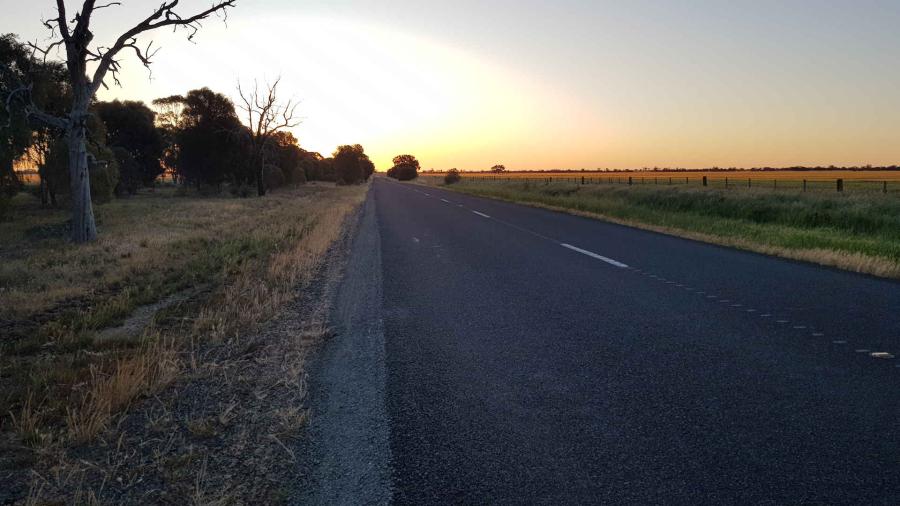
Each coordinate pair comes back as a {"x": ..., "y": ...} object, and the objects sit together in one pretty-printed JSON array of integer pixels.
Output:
[
  {"x": 208, "y": 148},
  {"x": 76, "y": 36},
  {"x": 405, "y": 168},
  {"x": 266, "y": 116},
  {"x": 452, "y": 176},
  {"x": 168, "y": 122},
  {"x": 131, "y": 132},
  {"x": 18, "y": 137},
  {"x": 351, "y": 164},
  {"x": 285, "y": 152},
  {"x": 498, "y": 169}
]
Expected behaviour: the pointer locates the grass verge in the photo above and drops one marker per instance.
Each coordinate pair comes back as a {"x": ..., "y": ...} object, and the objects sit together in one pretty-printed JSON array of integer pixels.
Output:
[
  {"x": 209, "y": 268},
  {"x": 857, "y": 232}
]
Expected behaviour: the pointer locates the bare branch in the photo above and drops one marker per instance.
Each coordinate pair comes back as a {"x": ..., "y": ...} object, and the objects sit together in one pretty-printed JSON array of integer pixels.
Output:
[{"x": 164, "y": 15}]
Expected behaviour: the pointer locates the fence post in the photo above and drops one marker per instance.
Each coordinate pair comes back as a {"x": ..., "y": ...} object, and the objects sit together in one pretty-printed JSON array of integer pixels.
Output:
[
  {"x": 629, "y": 180},
  {"x": 840, "y": 185},
  {"x": 804, "y": 185},
  {"x": 582, "y": 179},
  {"x": 749, "y": 182},
  {"x": 884, "y": 187},
  {"x": 704, "y": 180},
  {"x": 726, "y": 182},
  {"x": 774, "y": 184}
]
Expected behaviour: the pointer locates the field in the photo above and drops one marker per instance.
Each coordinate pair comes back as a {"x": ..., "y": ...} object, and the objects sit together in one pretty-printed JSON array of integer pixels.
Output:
[
  {"x": 858, "y": 231},
  {"x": 885, "y": 181},
  {"x": 87, "y": 329}
]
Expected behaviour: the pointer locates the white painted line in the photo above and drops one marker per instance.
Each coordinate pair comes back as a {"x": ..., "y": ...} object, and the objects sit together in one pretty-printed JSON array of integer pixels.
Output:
[
  {"x": 602, "y": 258},
  {"x": 751, "y": 310},
  {"x": 767, "y": 315},
  {"x": 881, "y": 354},
  {"x": 445, "y": 200},
  {"x": 459, "y": 205},
  {"x": 862, "y": 350},
  {"x": 481, "y": 214},
  {"x": 841, "y": 341},
  {"x": 799, "y": 327},
  {"x": 427, "y": 194},
  {"x": 781, "y": 321},
  {"x": 818, "y": 334}
]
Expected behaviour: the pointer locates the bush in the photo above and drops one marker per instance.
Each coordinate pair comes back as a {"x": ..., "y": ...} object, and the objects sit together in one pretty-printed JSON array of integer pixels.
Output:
[
  {"x": 295, "y": 175},
  {"x": 273, "y": 176},
  {"x": 452, "y": 176}
]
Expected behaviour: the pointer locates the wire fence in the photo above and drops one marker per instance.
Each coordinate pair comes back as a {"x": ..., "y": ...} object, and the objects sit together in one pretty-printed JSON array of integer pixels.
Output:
[{"x": 886, "y": 186}]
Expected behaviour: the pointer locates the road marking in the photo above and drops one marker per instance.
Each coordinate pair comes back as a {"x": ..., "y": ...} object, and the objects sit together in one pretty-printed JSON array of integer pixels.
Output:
[
  {"x": 415, "y": 239},
  {"x": 767, "y": 315},
  {"x": 841, "y": 341},
  {"x": 751, "y": 310},
  {"x": 881, "y": 354},
  {"x": 481, "y": 214},
  {"x": 862, "y": 350},
  {"x": 427, "y": 194},
  {"x": 737, "y": 305},
  {"x": 781, "y": 321},
  {"x": 602, "y": 258},
  {"x": 799, "y": 327},
  {"x": 447, "y": 201},
  {"x": 459, "y": 205},
  {"x": 818, "y": 334}
]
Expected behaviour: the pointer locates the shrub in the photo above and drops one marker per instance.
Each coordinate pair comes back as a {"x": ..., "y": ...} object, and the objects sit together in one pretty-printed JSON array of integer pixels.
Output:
[
  {"x": 452, "y": 176},
  {"x": 273, "y": 176}
]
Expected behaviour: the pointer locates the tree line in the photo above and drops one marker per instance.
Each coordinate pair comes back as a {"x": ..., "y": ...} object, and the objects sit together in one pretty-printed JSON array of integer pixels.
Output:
[
  {"x": 197, "y": 139},
  {"x": 88, "y": 151}
]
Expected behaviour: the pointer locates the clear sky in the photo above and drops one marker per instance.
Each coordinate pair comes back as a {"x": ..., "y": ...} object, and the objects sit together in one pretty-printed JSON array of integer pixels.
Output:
[{"x": 538, "y": 85}]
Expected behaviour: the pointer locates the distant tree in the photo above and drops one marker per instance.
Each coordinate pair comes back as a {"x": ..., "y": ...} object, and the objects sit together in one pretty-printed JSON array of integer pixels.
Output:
[
  {"x": 405, "y": 168},
  {"x": 131, "y": 130},
  {"x": 168, "y": 122},
  {"x": 266, "y": 115},
  {"x": 284, "y": 151},
  {"x": 452, "y": 176},
  {"x": 351, "y": 164},
  {"x": 75, "y": 35},
  {"x": 498, "y": 169},
  {"x": 208, "y": 147},
  {"x": 15, "y": 133}
]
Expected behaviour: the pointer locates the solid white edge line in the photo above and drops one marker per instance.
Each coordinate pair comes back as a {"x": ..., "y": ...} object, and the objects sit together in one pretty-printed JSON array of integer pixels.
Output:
[
  {"x": 481, "y": 214},
  {"x": 610, "y": 261}
]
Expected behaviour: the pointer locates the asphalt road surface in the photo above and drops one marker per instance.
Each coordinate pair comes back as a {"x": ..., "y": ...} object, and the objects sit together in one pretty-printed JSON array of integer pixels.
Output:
[{"x": 538, "y": 357}]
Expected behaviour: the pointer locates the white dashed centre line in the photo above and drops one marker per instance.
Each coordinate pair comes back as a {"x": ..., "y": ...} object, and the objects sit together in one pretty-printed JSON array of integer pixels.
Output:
[
  {"x": 481, "y": 214},
  {"x": 591, "y": 254},
  {"x": 445, "y": 200}
]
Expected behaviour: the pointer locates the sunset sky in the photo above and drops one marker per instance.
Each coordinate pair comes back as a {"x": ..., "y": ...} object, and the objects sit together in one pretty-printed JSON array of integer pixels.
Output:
[{"x": 538, "y": 85}]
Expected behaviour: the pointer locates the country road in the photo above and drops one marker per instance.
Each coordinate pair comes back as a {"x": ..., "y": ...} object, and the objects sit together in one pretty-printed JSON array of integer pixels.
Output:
[{"x": 537, "y": 357}]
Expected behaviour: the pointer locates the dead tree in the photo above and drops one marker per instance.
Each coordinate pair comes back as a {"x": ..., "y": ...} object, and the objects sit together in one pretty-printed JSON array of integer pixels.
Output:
[
  {"x": 76, "y": 37},
  {"x": 265, "y": 116}
]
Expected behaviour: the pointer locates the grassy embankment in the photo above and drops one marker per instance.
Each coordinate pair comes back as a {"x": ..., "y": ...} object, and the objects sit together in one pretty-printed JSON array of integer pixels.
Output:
[
  {"x": 88, "y": 329},
  {"x": 858, "y": 232}
]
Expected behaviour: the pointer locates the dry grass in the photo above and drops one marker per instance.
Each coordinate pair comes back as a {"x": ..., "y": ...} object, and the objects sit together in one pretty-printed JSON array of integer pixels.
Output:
[{"x": 241, "y": 259}]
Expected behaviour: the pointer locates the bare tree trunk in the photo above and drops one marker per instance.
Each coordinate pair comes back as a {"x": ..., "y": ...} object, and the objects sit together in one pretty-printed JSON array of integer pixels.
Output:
[
  {"x": 83, "y": 227},
  {"x": 260, "y": 164}
]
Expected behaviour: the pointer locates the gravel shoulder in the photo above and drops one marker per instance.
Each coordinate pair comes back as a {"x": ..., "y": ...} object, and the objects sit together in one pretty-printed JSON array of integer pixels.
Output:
[{"x": 347, "y": 453}]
